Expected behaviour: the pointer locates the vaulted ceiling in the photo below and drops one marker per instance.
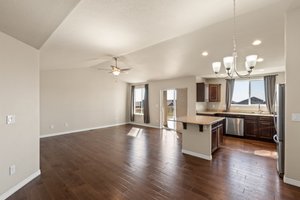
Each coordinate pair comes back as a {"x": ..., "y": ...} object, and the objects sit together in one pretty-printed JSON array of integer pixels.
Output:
[
  {"x": 158, "y": 39},
  {"x": 33, "y": 21}
]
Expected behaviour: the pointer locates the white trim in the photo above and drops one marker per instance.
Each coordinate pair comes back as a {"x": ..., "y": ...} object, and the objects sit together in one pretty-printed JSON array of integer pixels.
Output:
[
  {"x": 291, "y": 181},
  {"x": 15, "y": 188},
  {"x": 199, "y": 155},
  {"x": 146, "y": 125},
  {"x": 81, "y": 130}
]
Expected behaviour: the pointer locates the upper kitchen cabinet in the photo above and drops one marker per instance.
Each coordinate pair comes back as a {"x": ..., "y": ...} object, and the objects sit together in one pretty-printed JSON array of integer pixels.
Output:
[
  {"x": 214, "y": 92},
  {"x": 208, "y": 92},
  {"x": 200, "y": 92}
]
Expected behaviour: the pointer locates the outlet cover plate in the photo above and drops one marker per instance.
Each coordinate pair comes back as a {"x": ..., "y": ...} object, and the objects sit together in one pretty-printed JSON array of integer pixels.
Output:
[{"x": 10, "y": 119}]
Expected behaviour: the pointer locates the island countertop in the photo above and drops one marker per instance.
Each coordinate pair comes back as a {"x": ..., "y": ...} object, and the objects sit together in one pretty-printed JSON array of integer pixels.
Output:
[
  {"x": 201, "y": 120},
  {"x": 235, "y": 113}
]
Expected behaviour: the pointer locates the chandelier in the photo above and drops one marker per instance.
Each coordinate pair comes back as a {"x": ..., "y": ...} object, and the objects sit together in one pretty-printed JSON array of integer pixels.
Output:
[{"x": 230, "y": 62}]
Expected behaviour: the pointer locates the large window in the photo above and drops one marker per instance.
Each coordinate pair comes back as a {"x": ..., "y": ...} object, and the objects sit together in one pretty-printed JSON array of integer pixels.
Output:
[
  {"x": 139, "y": 94},
  {"x": 248, "y": 92}
]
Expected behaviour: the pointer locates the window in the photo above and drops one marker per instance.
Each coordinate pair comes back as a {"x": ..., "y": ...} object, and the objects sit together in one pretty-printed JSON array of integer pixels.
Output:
[
  {"x": 139, "y": 94},
  {"x": 248, "y": 92}
]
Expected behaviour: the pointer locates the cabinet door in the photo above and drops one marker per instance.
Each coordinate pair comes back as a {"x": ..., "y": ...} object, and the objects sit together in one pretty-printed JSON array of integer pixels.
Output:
[
  {"x": 214, "y": 92},
  {"x": 220, "y": 134},
  {"x": 251, "y": 127},
  {"x": 200, "y": 92},
  {"x": 214, "y": 139},
  {"x": 266, "y": 128}
]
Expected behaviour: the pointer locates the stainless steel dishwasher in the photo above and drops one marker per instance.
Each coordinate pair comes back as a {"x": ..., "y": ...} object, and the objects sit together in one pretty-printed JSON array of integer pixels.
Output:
[{"x": 234, "y": 126}]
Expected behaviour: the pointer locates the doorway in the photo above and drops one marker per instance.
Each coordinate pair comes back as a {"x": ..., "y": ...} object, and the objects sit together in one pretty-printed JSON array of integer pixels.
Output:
[{"x": 173, "y": 104}]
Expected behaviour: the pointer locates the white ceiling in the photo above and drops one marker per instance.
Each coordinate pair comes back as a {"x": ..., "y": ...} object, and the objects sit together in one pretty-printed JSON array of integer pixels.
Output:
[
  {"x": 159, "y": 39},
  {"x": 33, "y": 21}
]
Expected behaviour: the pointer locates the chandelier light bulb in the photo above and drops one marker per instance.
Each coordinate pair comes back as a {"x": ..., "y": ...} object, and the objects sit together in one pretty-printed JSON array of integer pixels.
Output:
[
  {"x": 228, "y": 62},
  {"x": 251, "y": 61},
  {"x": 216, "y": 67}
]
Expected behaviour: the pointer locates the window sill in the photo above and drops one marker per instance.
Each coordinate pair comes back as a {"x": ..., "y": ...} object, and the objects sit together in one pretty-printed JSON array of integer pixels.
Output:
[
  {"x": 138, "y": 114},
  {"x": 252, "y": 105}
]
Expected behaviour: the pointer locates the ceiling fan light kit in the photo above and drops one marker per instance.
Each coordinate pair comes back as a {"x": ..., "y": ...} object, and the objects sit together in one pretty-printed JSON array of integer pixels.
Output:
[
  {"x": 230, "y": 62},
  {"x": 115, "y": 70}
]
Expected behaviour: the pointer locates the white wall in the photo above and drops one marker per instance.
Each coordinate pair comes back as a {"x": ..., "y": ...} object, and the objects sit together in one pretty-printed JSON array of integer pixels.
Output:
[
  {"x": 220, "y": 106},
  {"x": 19, "y": 88},
  {"x": 154, "y": 97},
  {"x": 292, "y": 129},
  {"x": 77, "y": 99}
]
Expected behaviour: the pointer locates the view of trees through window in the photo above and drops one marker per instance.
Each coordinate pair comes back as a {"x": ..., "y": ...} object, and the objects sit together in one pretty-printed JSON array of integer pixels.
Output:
[
  {"x": 248, "y": 92},
  {"x": 139, "y": 100}
]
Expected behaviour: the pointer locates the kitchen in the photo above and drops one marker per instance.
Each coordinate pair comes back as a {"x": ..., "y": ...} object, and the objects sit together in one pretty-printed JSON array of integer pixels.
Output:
[{"x": 246, "y": 125}]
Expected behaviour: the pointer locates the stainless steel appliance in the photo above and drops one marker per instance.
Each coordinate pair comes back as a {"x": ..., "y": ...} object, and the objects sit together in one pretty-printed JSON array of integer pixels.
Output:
[
  {"x": 235, "y": 126},
  {"x": 279, "y": 118}
]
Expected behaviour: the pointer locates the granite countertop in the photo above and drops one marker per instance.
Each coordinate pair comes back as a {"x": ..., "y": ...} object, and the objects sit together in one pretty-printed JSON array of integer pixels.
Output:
[
  {"x": 201, "y": 120},
  {"x": 236, "y": 113}
]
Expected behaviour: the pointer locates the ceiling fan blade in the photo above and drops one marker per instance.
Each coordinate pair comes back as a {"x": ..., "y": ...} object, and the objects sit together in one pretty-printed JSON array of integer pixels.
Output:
[
  {"x": 103, "y": 69},
  {"x": 125, "y": 69}
]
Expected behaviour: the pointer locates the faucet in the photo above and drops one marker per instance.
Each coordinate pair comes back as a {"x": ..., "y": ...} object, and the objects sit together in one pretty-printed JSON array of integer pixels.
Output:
[{"x": 259, "y": 110}]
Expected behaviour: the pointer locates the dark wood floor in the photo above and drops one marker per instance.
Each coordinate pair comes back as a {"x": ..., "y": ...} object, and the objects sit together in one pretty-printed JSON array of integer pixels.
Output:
[{"x": 148, "y": 164}]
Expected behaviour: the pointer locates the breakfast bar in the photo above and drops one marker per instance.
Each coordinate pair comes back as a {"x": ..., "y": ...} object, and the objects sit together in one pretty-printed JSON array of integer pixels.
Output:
[{"x": 201, "y": 135}]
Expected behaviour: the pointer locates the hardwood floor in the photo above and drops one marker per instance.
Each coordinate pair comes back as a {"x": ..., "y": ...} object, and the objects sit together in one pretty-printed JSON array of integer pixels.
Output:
[
  {"x": 127, "y": 162},
  {"x": 259, "y": 148}
]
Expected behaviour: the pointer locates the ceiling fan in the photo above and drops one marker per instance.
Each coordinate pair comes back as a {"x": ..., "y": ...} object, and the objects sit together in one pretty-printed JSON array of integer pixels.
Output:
[{"x": 115, "y": 70}]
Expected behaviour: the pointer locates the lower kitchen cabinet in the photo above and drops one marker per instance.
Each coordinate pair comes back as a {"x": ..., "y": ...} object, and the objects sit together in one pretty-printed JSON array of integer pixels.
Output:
[
  {"x": 259, "y": 127},
  {"x": 266, "y": 128},
  {"x": 255, "y": 127},
  {"x": 216, "y": 136},
  {"x": 214, "y": 140},
  {"x": 251, "y": 127}
]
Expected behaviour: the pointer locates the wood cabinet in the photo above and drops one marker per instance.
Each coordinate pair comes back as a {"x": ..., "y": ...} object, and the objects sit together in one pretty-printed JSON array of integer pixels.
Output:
[
  {"x": 200, "y": 92},
  {"x": 259, "y": 127},
  {"x": 255, "y": 127},
  {"x": 216, "y": 136},
  {"x": 214, "y": 92},
  {"x": 266, "y": 128},
  {"x": 220, "y": 134},
  {"x": 251, "y": 126},
  {"x": 214, "y": 140}
]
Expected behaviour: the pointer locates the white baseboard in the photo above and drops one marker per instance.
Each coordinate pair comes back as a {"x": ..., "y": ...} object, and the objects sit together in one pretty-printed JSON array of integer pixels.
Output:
[
  {"x": 19, "y": 185},
  {"x": 146, "y": 125},
  {"x": 291, "y": 181},
  {"x": 199, "y": 155},
  {"x": 81, "y": 130}
]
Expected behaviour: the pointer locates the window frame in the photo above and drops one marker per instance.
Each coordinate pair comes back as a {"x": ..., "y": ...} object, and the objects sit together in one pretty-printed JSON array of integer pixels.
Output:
[{"x": 249, "y": 95}]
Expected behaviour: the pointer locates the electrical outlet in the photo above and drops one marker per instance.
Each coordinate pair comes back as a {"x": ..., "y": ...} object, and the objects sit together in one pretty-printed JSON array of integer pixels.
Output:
[
  {"x": 66, "y": 124},
  {"x": 12, "y": 170},
  {"x": 10, "y": 119},
  {"x": 51, "y": 126}
]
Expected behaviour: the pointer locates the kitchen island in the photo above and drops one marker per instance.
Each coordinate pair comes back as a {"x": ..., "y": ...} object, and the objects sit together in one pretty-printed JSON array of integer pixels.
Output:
[{"x": 201, "y": 135}]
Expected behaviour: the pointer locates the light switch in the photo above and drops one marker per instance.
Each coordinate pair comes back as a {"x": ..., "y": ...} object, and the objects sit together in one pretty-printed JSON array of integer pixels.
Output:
[
  {"x": 12, "y": 170},
  {"x": 296, "y": 117},
  {"x": 10, "y": 119}
]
